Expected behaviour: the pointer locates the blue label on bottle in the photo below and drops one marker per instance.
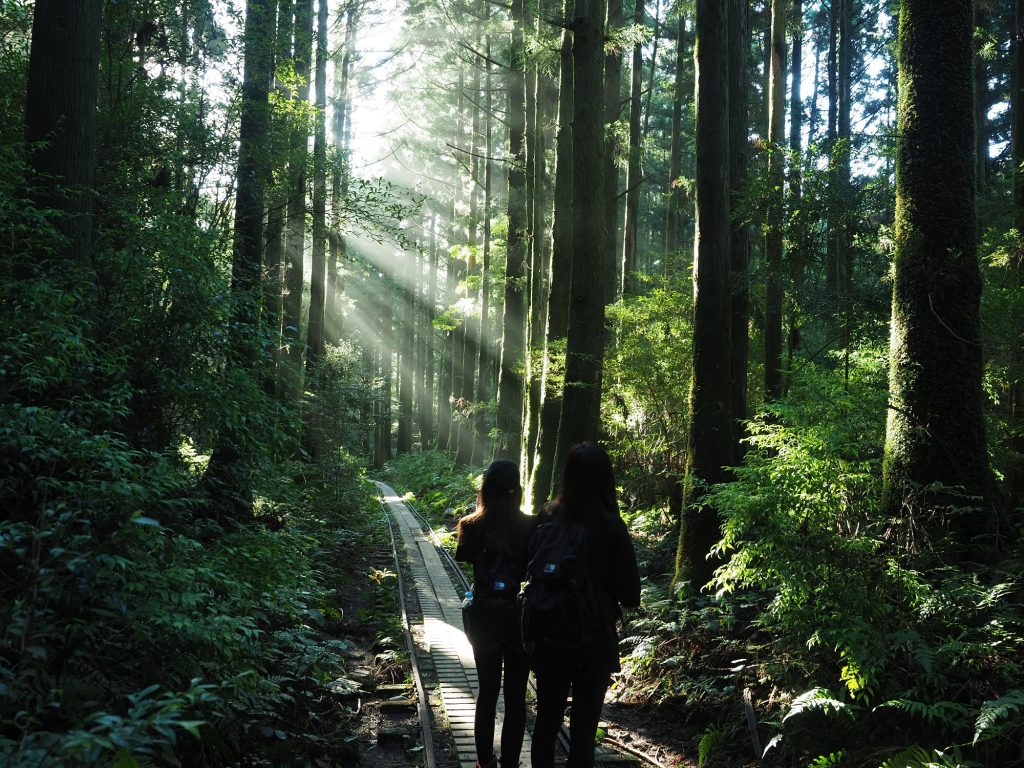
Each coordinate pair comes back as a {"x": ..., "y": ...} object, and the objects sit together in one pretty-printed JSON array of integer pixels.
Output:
[
  {"x": 499, "y": 585},
  {"x": 550, "y": 567}
]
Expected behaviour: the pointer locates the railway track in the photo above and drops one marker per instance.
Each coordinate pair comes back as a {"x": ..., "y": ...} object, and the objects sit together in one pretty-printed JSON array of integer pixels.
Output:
[{"x": 435, "y": 635}]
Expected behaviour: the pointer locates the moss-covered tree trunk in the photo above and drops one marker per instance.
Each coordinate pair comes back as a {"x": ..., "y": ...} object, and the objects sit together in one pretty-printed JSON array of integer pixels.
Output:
[
  {"x": 936, "y": 425},
  {"x": 710, "y": 442},
  {"x": 318, "y": 274}
]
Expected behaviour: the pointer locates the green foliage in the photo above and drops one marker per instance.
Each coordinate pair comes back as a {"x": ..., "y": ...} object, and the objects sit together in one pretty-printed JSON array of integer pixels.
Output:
[
  {"x": 430, "y": 480},
  {"x": 648, "y": 375}
]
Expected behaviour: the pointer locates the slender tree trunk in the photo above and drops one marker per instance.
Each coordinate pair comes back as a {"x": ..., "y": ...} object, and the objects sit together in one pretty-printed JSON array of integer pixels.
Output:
[
  {"x": 486, "y": 333},
  {"x": 427, "y": 416},
  {"x": 275, "y": 249},
  {"x": 843, "y": 231},
  {"x": 407, "y": 292},
  {"x": 510, "y": 385},
  {"x": 776, "y": 192},
  {"x": 676, "y": 150},
  {"x": 60, "y": 115},
  {"x": 387, "y": 371},
  {"x": 422, "y": 324},
  {"x": 318, "y": 277},
  {"x": 539, "y": 257},
  {"x": 936, "y": 426},
  {"x": 593, "y": 267},
  {"x": 710, "y": 444},
  {"x": 295, "y": 243},
  {"x": 339, "y": 187},
  {"x": 797, "y": 253},
  {"x": 634, "y": 174},
  {"x": 561, "y": 274},
  {"x": 228, "y": 477},
  {"x": 612, "y": 113},
  {"x": 444, "y": 384},
  {"x": 739, "y": 236}
]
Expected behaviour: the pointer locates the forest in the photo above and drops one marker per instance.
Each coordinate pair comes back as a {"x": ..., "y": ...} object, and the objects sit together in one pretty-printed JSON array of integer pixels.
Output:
[{"x": 256, "y": 253}]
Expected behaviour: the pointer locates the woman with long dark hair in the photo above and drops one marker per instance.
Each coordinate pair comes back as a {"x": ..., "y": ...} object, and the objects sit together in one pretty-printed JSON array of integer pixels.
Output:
[
  {"x": 587, "y": 505},
  {"x": 493, "y": 538}
]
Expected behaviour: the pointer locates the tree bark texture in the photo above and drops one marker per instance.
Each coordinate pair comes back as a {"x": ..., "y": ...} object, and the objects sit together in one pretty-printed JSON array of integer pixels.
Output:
[
  {"x": 776, "y": 193},
  {"x": 710, "y": 444},
  {"x": 561, "y": 274},
  {"x": 634, "y": 173},
  {"x": 676, "y": 149},
  {"x": 295, "y": 235},
  {"x": 318, "y": 275},
  {"x": 739, "y": 236},
  {"x": 513, "y": 347},
  {"x": 593, "y": 269},
  {"x": 936, "y": 424}
]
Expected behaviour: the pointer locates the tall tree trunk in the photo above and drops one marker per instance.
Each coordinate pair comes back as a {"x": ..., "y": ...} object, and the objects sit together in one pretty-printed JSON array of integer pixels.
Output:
[
  {"x": 593, "y": 267},
  {"x": 295, "y": 243},
  {"x": 228, "y": 477},
  {"x": 739, "y": 236},
  {"x": 1017, "y": 105},
  {"x": 776, "y": 193},
  {"x": 612, "y": 113},
  {"x": 486, "y": 334},
  {"x": 634, "y": 174},
  {"x": 60, "y": 115},
  {"x": 539, "y": 256},
  {"x": 561, "y": 272},
  {"x": 318, "y": 276},
  {"x": 676, "y": 150},
  {"x": 387, "y": 372},
  {"x": 710, "y": 443},
  {"x": 444, "y": 382},
  {"x": 274, "y": 281},
  {"x": 422, "y": 324},
  {"x": 427, "y": 429},
  {"x": 936, "y": 425},
  {"x": 407, "y": 290},
  {"x": 339, "y": 185},
  {"x": 797, "y": 253},
  {"x": 510, "y": 385},
  {"x": 843, "y": 231}
]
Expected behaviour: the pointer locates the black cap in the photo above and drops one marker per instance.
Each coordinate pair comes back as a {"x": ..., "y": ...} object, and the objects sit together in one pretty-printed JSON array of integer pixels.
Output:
[{"x": 502, "y": 476}]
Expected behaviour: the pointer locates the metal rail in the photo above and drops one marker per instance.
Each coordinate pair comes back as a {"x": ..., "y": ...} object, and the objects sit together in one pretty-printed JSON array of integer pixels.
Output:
[{"x": 423, "y": 709}]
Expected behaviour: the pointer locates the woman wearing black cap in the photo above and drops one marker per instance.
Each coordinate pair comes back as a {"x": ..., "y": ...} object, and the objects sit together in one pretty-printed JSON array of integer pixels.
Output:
[{"x": 493, "y": 538}]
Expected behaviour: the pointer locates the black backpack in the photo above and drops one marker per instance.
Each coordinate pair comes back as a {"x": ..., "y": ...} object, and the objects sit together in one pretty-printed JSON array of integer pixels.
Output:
[
  {"x": 558, "y": 604},
  {"x": 492, "y": 619}
]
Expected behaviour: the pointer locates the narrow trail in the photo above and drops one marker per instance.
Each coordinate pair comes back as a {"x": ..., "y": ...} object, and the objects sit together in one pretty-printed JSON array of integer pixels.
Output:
[{"x": 438, "y": 647}]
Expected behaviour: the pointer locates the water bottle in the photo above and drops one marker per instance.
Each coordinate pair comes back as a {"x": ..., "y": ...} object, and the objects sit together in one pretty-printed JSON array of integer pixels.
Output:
[{"x": 468, "y": 599}]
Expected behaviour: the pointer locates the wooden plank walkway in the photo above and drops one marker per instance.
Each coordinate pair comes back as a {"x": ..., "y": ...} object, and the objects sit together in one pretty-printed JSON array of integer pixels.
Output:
[{"x": 442, "y": 632}]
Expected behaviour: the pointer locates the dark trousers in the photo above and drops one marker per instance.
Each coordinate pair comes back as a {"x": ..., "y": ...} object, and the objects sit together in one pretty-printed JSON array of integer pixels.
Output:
[
  {"x": 589, "y": 679},
  {"x": 489, "y": 663}
]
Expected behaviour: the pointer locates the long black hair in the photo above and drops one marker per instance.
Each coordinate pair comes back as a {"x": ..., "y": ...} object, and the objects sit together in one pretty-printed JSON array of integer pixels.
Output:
[
  {"x": 588, "y": 485},
  {"x": 497, "y": 502}
]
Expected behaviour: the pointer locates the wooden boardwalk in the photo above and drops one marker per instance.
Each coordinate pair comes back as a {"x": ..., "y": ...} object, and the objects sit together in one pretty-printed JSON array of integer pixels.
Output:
[{"x": 442, "y": 634}]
